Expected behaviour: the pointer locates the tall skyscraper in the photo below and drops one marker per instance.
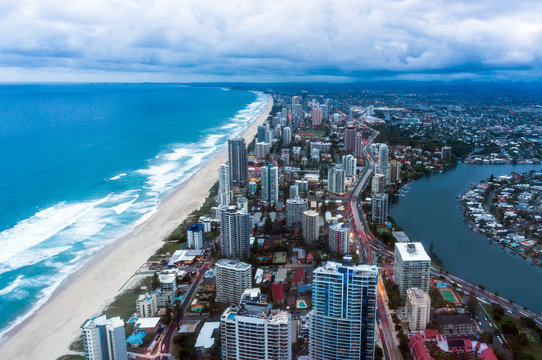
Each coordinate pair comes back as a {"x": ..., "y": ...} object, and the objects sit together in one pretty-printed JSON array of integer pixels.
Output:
[
  {"x": 343, "y": 317},
  {"x": 395, "y": 171},
  {"x": 224, "y": 185},
  {"x": 358, "y": 145},
  {"x": 294, "y": 191},
  {"x": 446, "y": 152},
  {"x": 311, "y": 226},
  {"x": 350, "y": 114},
  {"x": 294, "y": 212},
  {"x": 379, "y": 208},
  {"x": 237, "y": 161},
  {"x": 262, "y": 150},
  {"x": 349, "y": 165},
  {"x": 418, "y": 309},
  {"x": 104, "y": 339},
  {"x": 252, "y": 331},
  {"x": 316, "y": 116},
  {"x": 338, "y": 238},
  {"x": 232, "y": 279},
  {"x": 261, "y": 134},
  {"x": 378, "y": 184},
  {"x": 350, "y": 137},
  {"x": 382, "y": 166},
  {"x": 234, "y": 232},
  {"x": 286, "y": 136},
  {"x": 412, "y": 267},
  {"x": 194, "y": 236},
  {"x": 335, "y": 178},
  {"x": 270, "y": 183}
]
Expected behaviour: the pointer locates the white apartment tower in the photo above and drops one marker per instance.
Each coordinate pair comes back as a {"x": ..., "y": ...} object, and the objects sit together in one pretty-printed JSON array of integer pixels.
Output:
[
  {"x": 294, "y": 211},
  {"x": 382, "y": 166},
  {"x": 378, "y": 184},
  {"x": 335, "y": 179},
  {"x": 104, "y": 339},
  {"x": 194, "y": 236},
  {"x": 234, "y": 232},
  {"x": 311, "y": 226},
  {"x": 349, "y": 165},
  {"x": 379, "y": 208},
  {"x": 270, "y": 183},
  {"x": 338, "y": 238},
  {"x": 412, "y": 267},
  {"x": 252, "y": 331},
  {"x": 286, "y": 136},
  {"x": 224, "y": 185},
  {"x": 146, "y": 305},
  {"x": 233, "y": 277},
  {"x": 418, "y": 309},
  {"x": 343, "y": 317}
]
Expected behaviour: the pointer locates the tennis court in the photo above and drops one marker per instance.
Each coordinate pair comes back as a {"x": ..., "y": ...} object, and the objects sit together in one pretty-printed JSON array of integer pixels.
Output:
[{"x": 449, "y": 295}]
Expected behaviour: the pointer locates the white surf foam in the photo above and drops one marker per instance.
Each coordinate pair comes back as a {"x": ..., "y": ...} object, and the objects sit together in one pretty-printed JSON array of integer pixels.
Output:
[
  {"x": 118, "y": 176},
  {"x": 12, "y": 286}
]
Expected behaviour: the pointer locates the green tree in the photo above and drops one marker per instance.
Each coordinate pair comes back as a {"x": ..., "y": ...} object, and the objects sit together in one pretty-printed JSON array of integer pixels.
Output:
[
  {"x": 155, "y": 281},
  {"x": 268, "y": 226}
]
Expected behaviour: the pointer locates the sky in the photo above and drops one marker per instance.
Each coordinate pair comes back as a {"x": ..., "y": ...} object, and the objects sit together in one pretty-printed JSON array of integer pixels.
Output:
[{"x": 267, "y": 41}]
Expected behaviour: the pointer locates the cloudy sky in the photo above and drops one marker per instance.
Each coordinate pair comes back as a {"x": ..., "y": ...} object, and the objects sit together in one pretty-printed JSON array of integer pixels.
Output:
[{"x": 278, "y": 40}]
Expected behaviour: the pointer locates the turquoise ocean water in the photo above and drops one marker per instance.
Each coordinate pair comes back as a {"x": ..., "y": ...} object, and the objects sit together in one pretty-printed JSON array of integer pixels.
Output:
[{"x": 81, "y": 165}]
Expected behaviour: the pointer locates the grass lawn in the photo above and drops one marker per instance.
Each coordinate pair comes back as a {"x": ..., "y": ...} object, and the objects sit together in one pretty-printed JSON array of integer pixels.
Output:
[
  {"x": 124, "y": 304},
  {"x": 279, "y": 257}
]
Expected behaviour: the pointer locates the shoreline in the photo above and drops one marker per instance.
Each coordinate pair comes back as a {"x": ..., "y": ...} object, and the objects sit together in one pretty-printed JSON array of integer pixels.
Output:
[{"x": 86, "y": 293}]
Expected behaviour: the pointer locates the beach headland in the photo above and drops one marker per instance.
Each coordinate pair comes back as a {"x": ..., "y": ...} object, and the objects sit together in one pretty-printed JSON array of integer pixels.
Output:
[{"x": 48, "y": 333}]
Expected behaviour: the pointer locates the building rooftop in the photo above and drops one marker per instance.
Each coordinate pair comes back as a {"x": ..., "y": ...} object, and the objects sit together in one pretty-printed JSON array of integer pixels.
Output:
[
  {"x": 233, "y": 264},
  {"x": 331, "y": 267},
  {"x": 205, "y": 338},
  {"x": 148, "y": 323},
  {"x": 401, "y": 236},
  {"x": 412, "y": 251}
]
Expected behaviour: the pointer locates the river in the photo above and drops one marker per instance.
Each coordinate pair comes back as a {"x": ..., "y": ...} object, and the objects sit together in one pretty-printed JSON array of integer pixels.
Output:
[{"x": 429, "y": 212}]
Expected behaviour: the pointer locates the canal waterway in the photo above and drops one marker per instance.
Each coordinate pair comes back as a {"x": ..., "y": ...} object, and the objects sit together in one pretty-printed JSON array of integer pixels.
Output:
[{"x": 430, "y": 212}]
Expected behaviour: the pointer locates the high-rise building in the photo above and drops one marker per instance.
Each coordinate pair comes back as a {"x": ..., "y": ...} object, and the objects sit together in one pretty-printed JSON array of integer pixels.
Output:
[
  {"x": 338, "y": 238},
  {"x": 234, "y": 232},
  {"x": 242, "y": 203},
  {"x": 350, "y": 137},
  {"x": 349, "y": 165},
  {"x": 286, "y": 136},
  {"x": 343, "y": 317},
  {"x": 446, "y": 152},
  {"x": 146, "y": 305},
  {"x": 316, "y": 116},
  {"x": 418, "y": 309},
  {"x": 358, "y": 145},
  {"x": 262, "y": 150},
  {"x": 104, "y": 339},
  {"x": 224, "y": 185},
  {"x": 379, "y": 208},
  {"x": 270, "y": 183},
  {"x": 232, "y": 279},
  {"x": 252, "y": 331},
  {"x": 311, "y": 226},
  {"x": 395, "y": 171},
  {"x": 350, "y": 114},
  {"x": 412, "y": 267},
  {"x": 294, "y": 191},
  {"x": 261, "y": 133},
  {"x": 284, "y": 113},
  {"x": 382, "y": 166},
  {"x": 325, "y": 111},
  {"x": 194, "y": 236},
  {"x": 237, "y": 161},
  {"x": 335, "y": 179},
  {"x": 378, "y": 184},
  {"x": 294, "y": 212}
]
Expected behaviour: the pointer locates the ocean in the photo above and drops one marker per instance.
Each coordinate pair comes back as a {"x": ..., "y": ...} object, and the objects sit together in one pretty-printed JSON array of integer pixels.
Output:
[{"x": 82, "y": 165}]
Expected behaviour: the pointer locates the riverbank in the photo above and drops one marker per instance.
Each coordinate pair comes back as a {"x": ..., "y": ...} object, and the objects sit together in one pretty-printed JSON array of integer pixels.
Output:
[
  {"x": 429, "y": 213},
  {"x": 505, "y": 210},
  {"x": 48, "y": 333}
]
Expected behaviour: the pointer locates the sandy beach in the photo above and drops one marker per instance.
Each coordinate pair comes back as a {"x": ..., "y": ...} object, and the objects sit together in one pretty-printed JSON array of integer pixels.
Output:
[{"x": 50, "y": 330}]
